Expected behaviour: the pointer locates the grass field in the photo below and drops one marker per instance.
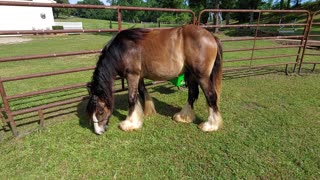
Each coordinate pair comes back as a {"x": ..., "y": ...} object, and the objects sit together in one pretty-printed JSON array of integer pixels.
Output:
[{"x": 271, "y": 124}]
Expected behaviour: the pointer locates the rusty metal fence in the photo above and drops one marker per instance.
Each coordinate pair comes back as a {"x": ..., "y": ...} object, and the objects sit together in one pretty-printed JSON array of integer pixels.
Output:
[
  {"x": 313, "y": 39},
  {"x": 6, "y": 113},
  {"x": 265, "y": 26},
  {"x": 255, "y": 55}
]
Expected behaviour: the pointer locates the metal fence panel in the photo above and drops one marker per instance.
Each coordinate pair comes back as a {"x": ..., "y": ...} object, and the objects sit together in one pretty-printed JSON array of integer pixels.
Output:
[
  {"x": 262, "y": 26},
  {"x": 312, "y": 44}
]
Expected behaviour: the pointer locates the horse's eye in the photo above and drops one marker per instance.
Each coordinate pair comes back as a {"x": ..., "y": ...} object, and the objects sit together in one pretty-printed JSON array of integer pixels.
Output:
[{"x": 100, "y": 112}]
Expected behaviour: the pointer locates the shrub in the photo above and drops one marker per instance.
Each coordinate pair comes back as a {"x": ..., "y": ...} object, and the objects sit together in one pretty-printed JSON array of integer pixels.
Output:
[{"x": 57, "y": 27}]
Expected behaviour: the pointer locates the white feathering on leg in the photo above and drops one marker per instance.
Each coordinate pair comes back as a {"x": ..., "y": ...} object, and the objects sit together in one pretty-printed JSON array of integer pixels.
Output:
[
  {"x": 135, "y": 121},
  {"x": 214, "y": 121}
]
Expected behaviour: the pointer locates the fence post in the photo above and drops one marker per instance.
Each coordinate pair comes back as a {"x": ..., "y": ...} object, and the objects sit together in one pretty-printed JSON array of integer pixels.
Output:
[
  {"x": 8, "y": 110},
  {"x": 306, "y": 33},
  {"x": 255, "y": 38}
]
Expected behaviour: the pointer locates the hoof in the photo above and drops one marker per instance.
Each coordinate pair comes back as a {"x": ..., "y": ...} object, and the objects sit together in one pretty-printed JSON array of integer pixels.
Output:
[
  {"x": 186, "y": 115},
  {"x": 184, "y": 118},
  {"x": 209, "y": 126},
  {"x": 128, "y": 125}
]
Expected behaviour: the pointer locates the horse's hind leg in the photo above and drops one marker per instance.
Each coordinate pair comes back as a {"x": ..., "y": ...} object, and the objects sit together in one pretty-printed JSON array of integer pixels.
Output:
[
  {"x": 211, "y": 92},
  {"x": 186, "y": 115},
  {"x": 134, "y": 119},
  {"x": 149, "y": 108}
]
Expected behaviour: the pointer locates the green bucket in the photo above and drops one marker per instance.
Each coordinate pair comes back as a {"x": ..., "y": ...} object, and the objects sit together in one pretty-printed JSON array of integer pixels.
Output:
[{"x": 178, "y": 81}]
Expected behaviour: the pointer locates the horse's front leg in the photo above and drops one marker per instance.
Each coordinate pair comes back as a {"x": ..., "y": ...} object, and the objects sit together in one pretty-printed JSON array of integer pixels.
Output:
[{"x": 134, "y": 119}]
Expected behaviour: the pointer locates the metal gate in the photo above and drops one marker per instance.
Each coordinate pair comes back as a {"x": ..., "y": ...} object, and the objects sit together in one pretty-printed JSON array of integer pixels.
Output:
[
  {"x": 313, "y": 40},
  {"x": 255, "y": 44}
]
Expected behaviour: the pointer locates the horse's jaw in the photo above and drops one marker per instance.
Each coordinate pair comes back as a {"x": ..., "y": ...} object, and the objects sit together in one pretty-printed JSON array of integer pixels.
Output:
[{"x": 97, "y": 129}]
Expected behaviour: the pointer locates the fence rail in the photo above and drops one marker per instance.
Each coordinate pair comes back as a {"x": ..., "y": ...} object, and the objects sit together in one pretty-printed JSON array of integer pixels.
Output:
[
  {"x": 255, "y": 27},
  {"x": 7, "y": 115}
]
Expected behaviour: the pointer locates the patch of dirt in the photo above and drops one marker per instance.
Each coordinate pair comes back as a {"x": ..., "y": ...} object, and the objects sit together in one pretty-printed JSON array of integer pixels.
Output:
[{"x": 13, "y": 40}]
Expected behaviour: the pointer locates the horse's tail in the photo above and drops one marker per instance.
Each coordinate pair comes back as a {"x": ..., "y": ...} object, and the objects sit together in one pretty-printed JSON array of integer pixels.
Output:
[{"x": 216, "y": 73}]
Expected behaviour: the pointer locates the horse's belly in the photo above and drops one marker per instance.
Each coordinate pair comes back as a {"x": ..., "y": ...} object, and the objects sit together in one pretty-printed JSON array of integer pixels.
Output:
[{"x": 163, "y": 71}]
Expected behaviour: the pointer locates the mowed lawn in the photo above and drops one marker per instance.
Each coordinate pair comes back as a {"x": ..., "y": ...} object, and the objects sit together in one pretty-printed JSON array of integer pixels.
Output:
[{"x": 271, "y": 125}]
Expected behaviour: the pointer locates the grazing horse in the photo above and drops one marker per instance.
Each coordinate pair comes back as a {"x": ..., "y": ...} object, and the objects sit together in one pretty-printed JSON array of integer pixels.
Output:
[{"x": 164, "y": 54}]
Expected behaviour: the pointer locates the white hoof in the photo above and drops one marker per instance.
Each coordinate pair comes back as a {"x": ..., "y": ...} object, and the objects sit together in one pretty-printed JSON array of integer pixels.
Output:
[
  {"x": 214, "y": 122},
  {"x": 184, "y": 118},
  {"x": 208, "y": 127},
  {"x": 129, "y": 125},
  {"x": 186, "y": 115}
]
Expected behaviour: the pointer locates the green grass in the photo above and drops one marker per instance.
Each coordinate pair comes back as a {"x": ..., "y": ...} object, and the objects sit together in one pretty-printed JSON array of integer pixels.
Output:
[
  {"x": 271, "y": 123},
  {"x": 270, "y": 131}
]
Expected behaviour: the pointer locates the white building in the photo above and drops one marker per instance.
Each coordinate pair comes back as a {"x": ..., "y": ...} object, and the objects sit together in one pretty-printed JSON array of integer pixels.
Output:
[{"x": 26, "y": 18}]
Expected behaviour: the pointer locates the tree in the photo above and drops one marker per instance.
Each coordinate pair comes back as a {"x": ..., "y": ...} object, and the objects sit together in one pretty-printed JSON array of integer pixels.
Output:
[
  {"x": 93, "y": 13},
  {"x": 288, "y": 4},
  {"x": 247, "y": 4},
  {"x": 228, "y": 4},
  {"x": 297, "y": 3},
  {"x": 281, "y": 4},
  {"x": 311, "y": 6},
  {"x": 197, "y": 6},
  {"x": 61, "y": 11},
  {"x": 132, "y": 16},
  {"x": 175, "y": 4},
  {"x": 216, "y": 15}
]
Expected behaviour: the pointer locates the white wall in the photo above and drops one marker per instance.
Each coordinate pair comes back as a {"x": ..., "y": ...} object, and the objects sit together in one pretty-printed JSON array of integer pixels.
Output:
[{"x": 26, "y": 18}]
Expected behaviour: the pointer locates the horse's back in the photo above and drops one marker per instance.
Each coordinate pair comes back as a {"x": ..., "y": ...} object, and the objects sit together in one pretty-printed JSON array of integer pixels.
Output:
[
  {"x": 163, "y": 54},
  {"x": 166, "y": 53}
]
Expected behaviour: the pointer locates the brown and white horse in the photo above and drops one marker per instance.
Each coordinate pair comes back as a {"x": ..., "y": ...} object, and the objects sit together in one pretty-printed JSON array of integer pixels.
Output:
[{"x": 157, "y": 55}]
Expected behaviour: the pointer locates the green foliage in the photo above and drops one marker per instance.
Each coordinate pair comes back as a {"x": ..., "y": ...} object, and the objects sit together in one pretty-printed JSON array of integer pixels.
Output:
[
  {"x": 311, "y": 6},
  {"x": 149, "y": 16},
  {"x": 95, "y": 13},
  {"x": 57, "y": 12},
  {"x": 180, "y": 18},
  {"x": 57, "y": 27}
]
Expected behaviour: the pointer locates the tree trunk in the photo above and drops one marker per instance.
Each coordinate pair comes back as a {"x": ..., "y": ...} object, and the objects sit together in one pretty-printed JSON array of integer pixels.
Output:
[
  {"x": 228, "y": 18},
  {"x": 216, "y": 16},
  {"x": 281, "y": 4},
  {"x": 297, "y": 3},
  {"x": 251, "y": 17},
  {"x": 288, "y": 4}
]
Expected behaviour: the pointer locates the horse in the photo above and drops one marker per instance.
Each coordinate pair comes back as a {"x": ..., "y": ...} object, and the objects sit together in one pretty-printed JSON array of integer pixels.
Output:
[{"x": 157, "y": 54}]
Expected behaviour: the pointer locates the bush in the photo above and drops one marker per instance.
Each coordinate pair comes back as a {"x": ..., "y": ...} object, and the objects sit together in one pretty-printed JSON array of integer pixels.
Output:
[
  {"x": 311, "y": 6},
  {"x": 57, "y": 27}
]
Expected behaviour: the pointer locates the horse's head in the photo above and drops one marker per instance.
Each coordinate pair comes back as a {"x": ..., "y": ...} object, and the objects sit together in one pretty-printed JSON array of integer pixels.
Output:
[{"x": 99, "y": 113}]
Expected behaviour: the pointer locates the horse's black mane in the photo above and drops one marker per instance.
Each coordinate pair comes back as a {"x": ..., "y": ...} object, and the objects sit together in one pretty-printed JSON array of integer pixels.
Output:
[{"x": 108, "y": 67}]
